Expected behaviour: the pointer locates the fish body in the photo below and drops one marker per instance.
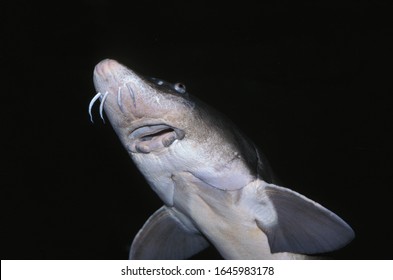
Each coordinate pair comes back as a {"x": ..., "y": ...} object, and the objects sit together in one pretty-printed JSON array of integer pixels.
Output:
[{"x": 216, "y": 186}]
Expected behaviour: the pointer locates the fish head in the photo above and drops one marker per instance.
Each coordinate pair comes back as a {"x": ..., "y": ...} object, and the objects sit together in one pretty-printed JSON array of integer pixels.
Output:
[
  {"x": 147, "y": 114},
  {"x": 167, "y": 131}
]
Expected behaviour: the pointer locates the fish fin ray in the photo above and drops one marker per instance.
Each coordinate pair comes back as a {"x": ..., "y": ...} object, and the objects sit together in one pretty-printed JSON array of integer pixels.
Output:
[
  {"x": 164, "y": 236},
  {"x": 300, "y": 225}
]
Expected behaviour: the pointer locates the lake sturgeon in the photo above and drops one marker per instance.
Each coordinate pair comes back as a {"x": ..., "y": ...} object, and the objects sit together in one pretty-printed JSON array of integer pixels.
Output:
[{"x": 216, "y": 186}]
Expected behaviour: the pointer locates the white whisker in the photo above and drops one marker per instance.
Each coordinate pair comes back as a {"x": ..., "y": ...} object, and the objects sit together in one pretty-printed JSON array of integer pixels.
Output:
[
  {"x": 132, "y": 94},
  {"x": 102, "y": 105},
  {"x": 92, "y": 103},
  {"x": 119, "y": 99}
]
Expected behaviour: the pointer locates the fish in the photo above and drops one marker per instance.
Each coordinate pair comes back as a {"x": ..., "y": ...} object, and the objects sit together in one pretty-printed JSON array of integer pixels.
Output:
[{"x": 216, "y": 186}]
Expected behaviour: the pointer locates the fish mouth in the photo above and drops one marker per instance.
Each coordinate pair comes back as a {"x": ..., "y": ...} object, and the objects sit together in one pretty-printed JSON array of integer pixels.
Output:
[{"x": 153, "y": 137}]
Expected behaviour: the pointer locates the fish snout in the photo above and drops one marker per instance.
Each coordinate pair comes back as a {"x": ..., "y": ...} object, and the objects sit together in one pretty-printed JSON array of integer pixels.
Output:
[
  {"x": 111, "y": 80},
  {"x": 106, "y": 67}
]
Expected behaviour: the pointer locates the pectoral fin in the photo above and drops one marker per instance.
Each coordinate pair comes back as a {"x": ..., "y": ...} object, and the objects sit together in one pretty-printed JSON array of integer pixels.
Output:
[
  {"x": 296, "y": 224},
  {"x": 165, "y": 236}
]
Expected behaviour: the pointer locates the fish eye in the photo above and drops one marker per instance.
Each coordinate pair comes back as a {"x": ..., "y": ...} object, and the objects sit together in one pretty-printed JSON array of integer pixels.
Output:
[{"x": 180, "y": 87}]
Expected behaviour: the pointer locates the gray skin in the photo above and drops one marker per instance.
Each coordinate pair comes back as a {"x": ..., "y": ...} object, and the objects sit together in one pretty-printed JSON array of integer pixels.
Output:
[{"x": 216, "y": 186}]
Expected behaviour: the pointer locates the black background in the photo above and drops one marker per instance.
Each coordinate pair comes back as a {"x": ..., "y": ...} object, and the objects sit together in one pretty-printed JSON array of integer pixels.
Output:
[{"x": 310, "y": 83}]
